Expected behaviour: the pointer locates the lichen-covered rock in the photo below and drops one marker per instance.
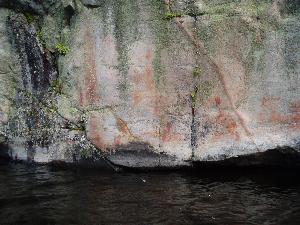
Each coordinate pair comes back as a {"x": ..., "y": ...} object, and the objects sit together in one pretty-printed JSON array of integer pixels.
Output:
[
  {"x": 93, "y": 3},
  {"x": 149, "y": 83},
  {"x": 34, "y": 6}
]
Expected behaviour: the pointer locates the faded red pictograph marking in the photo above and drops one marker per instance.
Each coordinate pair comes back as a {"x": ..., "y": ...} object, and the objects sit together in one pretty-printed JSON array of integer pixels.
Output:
[
  {"x": 117, "y": 140},
  {"x": 218, "y": 101},
  {"x": 123, "y": 127},
  {"x": 269, "y": 102},
  {"x": 198, "y": 44},
  {"x": 227, "y": 125},
  {"x": 90, "y": 79},
  {"x": 148, "y": 55},
  {"x": 137, "y": 97},
  {"x": 295, "y": 107},
  {"x": 93, "y": 133},
  {"x": 166, "y": 136},
  {"x": 270, "y": 113},
  {"x": 169, "y": 133}
]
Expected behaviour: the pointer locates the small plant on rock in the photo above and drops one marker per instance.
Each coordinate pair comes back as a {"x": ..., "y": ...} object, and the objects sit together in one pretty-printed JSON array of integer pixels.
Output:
[
  {"x": 170, "y": 15},
  {"x": 29, "y": 17},
  {"x": 40, "y": 37},
  {"x": 56, "y": 86},
  {"x": 61, "y": 49},
  {"x": 194, "y": 96},
  {"x": 197, "y": 72}
]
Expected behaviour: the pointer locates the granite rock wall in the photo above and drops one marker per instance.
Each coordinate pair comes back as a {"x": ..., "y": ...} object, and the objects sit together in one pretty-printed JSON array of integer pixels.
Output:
[{"x": 149, "y": 83}]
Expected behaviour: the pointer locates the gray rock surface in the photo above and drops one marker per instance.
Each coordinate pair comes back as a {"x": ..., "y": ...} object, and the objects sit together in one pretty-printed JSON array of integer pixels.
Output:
[
  {"x": 34, "y": 6},
  {"x": 93, "y": 3}
]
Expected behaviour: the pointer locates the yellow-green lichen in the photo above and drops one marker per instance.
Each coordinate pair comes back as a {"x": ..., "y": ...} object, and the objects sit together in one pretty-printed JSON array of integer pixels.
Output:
[
  {"x": 40, "y": 36},
  {"x": 162, "y": 37},
  {"x": 201, "y": 91},
  {"x": 170, "y": 15},
  {"x": 197, "y": 72},
  {"x": 56, "y": 86},
  {"x": 125, "y": 20},
  {"x": 61, "y": 49},
  {"x": 205, "y": 89},
  {"x": 231, "y": 18},
  {"x": 235, "y": 8},
  {"x": 194, "y": 96}
]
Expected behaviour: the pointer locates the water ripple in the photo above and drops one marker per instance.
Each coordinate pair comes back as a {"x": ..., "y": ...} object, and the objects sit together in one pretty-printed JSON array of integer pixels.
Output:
[{"x": 40, "y": 195}]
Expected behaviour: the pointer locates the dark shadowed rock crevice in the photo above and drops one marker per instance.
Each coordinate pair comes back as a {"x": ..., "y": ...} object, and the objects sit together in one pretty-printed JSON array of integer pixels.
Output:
[
  {"x": 4, "y": 156},
  {"x": 284, "y": 157},
  {"x": 37, "y": 73},
  {"x": 143, "y": 156},
  {"x": 36, "y": 66}
]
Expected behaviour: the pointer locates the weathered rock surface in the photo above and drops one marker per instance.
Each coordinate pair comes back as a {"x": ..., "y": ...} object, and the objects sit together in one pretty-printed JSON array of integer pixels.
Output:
[
  {"x": 34, "y": 6},
  {"x": 149, "y": 83},
  {"x": 93, "y": 3}
]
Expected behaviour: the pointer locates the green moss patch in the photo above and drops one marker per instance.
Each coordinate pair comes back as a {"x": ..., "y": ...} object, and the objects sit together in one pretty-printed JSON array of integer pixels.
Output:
[{"x": 30, "y": 17}]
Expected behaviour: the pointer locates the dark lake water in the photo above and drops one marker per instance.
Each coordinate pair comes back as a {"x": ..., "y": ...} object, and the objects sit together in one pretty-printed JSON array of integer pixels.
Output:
[{"x": 42, "y": 195}]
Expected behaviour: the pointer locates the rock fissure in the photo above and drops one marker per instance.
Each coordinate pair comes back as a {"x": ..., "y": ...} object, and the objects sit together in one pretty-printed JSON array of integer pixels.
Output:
[{"x": 217, "y": 68}]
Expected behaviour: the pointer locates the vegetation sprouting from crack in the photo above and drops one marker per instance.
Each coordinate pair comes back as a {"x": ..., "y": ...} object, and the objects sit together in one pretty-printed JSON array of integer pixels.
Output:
[
  {"x": 199, "y": 45},
  {"x": 63, "y": 125},
  {"x": 61, "y": 49}
]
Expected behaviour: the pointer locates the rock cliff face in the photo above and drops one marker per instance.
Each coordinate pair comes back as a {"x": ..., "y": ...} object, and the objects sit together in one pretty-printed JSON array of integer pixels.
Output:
[{"x": 149, "y": 83}]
